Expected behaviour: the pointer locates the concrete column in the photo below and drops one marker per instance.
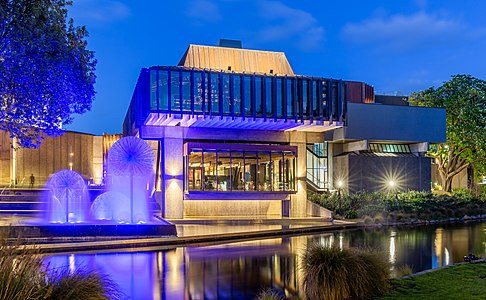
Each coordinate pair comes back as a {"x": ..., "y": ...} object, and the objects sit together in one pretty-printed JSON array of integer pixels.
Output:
[
  {"x": 172, "y": 203},
  {"x": 298, "y": 202}
]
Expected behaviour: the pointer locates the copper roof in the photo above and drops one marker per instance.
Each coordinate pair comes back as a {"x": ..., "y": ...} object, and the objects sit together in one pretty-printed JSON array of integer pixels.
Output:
[{"x": 240, "y": 60}]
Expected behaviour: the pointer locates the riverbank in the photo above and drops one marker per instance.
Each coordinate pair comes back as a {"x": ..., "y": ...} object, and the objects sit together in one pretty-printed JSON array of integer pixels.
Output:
[{"x": 461, "y": 281}]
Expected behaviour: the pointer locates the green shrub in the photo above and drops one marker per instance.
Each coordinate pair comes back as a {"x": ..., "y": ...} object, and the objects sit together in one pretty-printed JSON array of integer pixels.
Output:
[{"x": 331, "y": 273}]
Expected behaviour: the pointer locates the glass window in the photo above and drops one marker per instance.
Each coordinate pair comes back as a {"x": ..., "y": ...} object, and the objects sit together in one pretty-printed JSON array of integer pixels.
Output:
[
  {"x": 315, "y": 109},
  {"x": 279, "y": 97},
  {"x": 264, "y": 172},
  {"x": 237, "y": 94},
  {"x": 214, "y": 90},
  {"x": 250, "y": 171},
  {"x": 227, "y": 170},
  {"x": 289, "y": 170},
  {"x": 174, "y": 91},
  {"x": 278, "y": 171},
  {"x": 226, "y": 94},
  {"x": 186, "y": 91},
  {"x": 224, "y": 171},
  {"x": 237, "y": 171},
  {"x": 194, "y": 171},
  {"x": 305, "y": 104},
  {"x": 198, "y": 92},
  {"x": 258, "y": 96},
  {"x": 268, "y": 96},
  {"x": 247, "y": 95},
  {"x": 290, "y": 98},
  {"x": 210, "y": 171},
  {"x": 163, "y": 89},
  {"x": 153, "y": 89}
]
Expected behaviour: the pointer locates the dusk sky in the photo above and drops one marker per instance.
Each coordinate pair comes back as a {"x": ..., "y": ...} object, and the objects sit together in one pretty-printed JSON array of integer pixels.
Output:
[{"x": 397, "y": 46}]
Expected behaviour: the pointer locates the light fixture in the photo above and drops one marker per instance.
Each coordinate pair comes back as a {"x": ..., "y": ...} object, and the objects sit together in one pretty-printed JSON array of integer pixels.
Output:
[
  {"x": 340, "y": 184},
  {"x": 391, "y": 183}
]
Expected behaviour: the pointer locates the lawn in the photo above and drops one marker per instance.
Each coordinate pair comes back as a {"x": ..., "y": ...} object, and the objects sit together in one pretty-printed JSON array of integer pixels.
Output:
[{"x": 466, "y": 281}]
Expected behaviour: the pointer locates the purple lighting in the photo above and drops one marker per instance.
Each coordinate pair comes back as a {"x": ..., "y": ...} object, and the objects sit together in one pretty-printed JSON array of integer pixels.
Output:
[
  {"x": 68, "y": 199},
  {"x": 130, "y": 166}
]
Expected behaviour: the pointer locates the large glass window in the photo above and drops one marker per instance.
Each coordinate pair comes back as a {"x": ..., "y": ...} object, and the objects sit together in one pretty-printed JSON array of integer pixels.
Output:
[
  {"x": 226, "y": 94},
  {"x": 247, "y": 95},
  {"x": 237, "y": 171},
  {"x": 258, "y": 96},
  {"x": 186, "y": 91},
  {"x": 225, "y": 170},
  {"x": 163, "y": 89},
  {"x": 198, "y": 92},
  {"x": 153, "y": 89},
  {"x": 250, "y": 171},
  {"x": 214, "y": 93},
  {"x": 195, "y": 91},
  {"x": 175, "y": 98},
  {"x": 268, "y": 97},
  {"x": 290, "y": 98},
  {"x": 194, "y": 179},
  {"x": 237, "y": 94}
]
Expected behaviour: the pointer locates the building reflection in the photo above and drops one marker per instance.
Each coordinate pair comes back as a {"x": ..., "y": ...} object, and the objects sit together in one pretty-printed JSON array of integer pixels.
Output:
[{"x": 241, "y": 270}]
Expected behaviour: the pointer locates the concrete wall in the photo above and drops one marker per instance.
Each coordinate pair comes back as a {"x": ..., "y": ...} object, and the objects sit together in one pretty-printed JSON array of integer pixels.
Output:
[
  {"x": 239, "y": 208},
  {"x": 373, "y": 173},
  {"x": 392, "y": 123}
]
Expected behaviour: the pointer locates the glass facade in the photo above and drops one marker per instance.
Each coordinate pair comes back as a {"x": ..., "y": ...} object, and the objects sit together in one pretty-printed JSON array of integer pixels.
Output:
[
  {"x": 239, "y": 168},
  {"x": 317, "y": 169},
  {"x": 217, "y": 93},
  {"x": 390, "y": 148}
]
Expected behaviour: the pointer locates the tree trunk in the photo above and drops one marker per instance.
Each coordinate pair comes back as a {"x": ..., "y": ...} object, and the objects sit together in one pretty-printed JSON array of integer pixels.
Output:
[{"x": 447, "y": 184}]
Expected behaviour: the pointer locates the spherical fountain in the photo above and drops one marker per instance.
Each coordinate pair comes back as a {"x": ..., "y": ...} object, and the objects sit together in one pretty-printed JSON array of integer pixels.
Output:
[{"x": 122, "y": 210}]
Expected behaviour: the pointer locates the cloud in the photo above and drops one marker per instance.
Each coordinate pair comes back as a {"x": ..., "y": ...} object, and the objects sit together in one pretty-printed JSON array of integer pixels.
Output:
[
  {"x": 404, "y": 32},
  {"x": 203, "y": 11},
  {"x": 101, "y": 11},
  {"x": 289, "y": 24}
]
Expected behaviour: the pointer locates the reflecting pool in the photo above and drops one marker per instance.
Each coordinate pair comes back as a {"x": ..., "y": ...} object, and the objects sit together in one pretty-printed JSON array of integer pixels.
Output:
[{"x": 240, "y": 270}]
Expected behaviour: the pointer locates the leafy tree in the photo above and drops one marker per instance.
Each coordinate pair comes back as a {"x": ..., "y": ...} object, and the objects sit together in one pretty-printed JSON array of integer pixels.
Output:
[
  {"x": 464, "y": 98},
  {"x": 46, "y": 71}
]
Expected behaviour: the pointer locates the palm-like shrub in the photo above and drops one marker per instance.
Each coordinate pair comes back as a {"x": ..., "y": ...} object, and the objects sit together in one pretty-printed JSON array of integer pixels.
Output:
[{"x": 332, "y": 274}]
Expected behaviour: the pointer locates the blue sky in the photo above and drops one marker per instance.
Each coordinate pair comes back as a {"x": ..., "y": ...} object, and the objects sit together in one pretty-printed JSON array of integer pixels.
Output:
[{"x": 397, "y": 46}]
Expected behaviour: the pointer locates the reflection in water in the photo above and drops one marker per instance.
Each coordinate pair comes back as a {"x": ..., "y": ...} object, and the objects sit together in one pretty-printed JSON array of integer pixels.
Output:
[{"x": 240, "y": 270}]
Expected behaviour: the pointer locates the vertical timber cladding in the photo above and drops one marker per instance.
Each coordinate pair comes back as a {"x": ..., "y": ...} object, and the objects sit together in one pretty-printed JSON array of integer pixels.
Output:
[
  {"x": 54, "y": 155},
  {"x": 5, "y": 149}
]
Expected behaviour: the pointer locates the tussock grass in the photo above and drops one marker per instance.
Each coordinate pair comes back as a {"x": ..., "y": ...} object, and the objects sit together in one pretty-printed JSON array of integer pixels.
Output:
[
  {"x": 23, "y": 275},
  {"x": 332, "y": 274}
]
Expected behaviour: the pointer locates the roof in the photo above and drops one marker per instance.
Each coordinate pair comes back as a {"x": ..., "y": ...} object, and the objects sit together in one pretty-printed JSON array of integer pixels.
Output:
[{"x": 239, "y": 60}]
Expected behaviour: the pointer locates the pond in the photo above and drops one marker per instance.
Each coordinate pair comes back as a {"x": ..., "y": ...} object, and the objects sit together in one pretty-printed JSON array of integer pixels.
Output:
[{"x": 241, "y": 270}]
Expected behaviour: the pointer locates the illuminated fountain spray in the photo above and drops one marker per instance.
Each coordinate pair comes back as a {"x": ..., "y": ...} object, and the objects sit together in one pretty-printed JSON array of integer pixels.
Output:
[
  {"x": 68, "y": 199},
  {"x": 130, "y": 168}
]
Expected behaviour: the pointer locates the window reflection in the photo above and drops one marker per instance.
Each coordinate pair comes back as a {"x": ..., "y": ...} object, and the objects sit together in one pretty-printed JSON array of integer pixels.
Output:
[{"x": 235, "y": 170}]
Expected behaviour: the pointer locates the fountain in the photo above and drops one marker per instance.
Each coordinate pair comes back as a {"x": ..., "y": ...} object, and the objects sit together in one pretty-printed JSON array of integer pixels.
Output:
[{"x": 122, "y": 210}]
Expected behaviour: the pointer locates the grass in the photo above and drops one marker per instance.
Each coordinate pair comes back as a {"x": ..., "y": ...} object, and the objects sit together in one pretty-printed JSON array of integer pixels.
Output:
[
  {"x": 23, "y": 275},
  {"x": 332, "y": 274},
  {"x": 466, "y": 281}
]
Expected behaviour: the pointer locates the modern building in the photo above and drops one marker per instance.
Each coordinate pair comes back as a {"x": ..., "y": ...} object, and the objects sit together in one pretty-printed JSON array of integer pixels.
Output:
[{"x": 237, "y": 133}]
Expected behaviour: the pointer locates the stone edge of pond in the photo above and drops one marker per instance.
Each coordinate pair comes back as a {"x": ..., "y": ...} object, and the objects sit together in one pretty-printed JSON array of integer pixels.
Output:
[
  {"x": 465, "y": 219},
  {"x": 173, "y": 242}
]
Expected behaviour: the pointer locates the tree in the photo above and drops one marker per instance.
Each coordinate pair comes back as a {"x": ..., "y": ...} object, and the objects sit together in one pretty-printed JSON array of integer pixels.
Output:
[
  {"x": 464, "y": 98},
  {"x": 46, "y": 71}
]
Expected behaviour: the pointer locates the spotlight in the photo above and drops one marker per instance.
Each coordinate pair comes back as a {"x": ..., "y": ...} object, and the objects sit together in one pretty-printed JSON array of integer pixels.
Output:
[
  {"x": 339, "y": 184},
  {"x": 391, "y": 183}
]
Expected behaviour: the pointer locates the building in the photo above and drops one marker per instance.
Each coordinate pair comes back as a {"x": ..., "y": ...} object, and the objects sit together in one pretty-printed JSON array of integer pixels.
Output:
[
  {"x": 237, "y": 133},
  {"x": 81, "y": 152}
]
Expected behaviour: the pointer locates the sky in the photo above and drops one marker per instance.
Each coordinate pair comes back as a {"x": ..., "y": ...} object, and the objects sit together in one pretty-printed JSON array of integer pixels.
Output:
[{"x": 397, "y": 46}]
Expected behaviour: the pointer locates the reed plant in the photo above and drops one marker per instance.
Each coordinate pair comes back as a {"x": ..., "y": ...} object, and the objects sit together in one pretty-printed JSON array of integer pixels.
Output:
[
  {"x": 332, "y": 273},
  {"x": 269, "y": 294},
  {"x": 23, "y": 275}
]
